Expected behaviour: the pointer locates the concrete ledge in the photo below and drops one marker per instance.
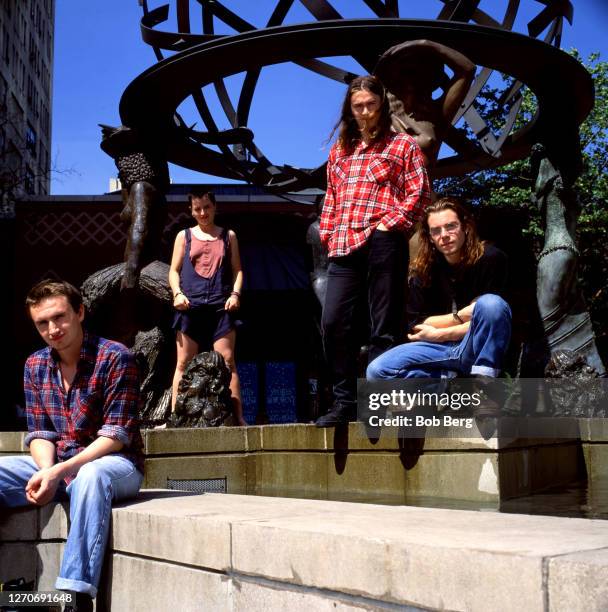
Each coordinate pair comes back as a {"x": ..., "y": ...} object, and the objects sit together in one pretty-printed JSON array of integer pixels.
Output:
[
  {"x": 358, "y": 555},
  {"x": 171, "y": 550}
]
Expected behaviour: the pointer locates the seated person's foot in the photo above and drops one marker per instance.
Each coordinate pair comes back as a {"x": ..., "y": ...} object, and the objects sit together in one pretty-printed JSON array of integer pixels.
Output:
[
  {"x": 83, "y": 603},
  {"x": 487, "y": 408},
  {"x": 340, "y": 414}
]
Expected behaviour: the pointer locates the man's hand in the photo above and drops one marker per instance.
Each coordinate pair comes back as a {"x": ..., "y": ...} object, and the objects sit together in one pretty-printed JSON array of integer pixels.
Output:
[
  {"x": 42, "y": 486},
  {"x": 426, "y": 332}
]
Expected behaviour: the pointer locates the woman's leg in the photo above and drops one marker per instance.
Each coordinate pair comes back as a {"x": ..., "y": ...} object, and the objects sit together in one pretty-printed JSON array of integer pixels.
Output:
[
  {"x": 225, "y": 347},
  {"x": 186, "y": 349}
]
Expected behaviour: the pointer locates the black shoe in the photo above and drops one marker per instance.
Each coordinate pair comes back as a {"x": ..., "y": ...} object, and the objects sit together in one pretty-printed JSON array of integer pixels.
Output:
[
  {"x": 338, "y": 415},
  {"x": 488, "y": 407},
  {"x": 83, "y": 603}
]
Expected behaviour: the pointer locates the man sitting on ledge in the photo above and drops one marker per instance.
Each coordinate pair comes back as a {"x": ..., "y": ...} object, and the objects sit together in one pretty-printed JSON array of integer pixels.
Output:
[
  {"x": 82, "y": 395},
  {"x": 458, "y": 322}
]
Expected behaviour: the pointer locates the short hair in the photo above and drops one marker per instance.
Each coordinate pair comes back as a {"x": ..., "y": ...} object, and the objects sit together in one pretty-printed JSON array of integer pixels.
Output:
[
  {"x": 53, "y": 288},
  {"x": 199, "y": 194}
]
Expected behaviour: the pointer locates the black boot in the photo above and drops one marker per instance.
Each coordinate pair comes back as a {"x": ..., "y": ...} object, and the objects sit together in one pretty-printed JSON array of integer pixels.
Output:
[{"x": 340, "y": 414}]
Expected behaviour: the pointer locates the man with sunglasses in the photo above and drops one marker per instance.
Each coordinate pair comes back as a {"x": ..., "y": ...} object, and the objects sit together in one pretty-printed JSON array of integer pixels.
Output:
[{"x": 458, "y": 322}]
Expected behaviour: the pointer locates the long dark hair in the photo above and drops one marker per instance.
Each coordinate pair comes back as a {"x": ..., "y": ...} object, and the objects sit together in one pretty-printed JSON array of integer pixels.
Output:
[
  {"x": 348, "y": 131},
  {"x": 472, "y": 249}
]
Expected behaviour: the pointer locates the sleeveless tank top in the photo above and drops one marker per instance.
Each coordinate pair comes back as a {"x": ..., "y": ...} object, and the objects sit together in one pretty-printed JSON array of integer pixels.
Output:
[{"x": 215, "y": 284}]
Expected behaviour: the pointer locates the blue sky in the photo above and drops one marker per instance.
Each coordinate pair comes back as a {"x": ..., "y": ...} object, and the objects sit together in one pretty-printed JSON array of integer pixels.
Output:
[{"x": 98, "y": 51}]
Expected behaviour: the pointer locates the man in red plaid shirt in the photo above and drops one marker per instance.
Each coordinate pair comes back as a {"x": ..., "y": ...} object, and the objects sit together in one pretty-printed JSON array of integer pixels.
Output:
[
  {"x": 82, "y": 396},
  {"x": 377, "y": 190}
]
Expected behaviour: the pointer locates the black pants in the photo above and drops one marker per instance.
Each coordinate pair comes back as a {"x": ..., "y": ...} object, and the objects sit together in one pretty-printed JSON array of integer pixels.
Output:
[{"x": 378, "y": 269}]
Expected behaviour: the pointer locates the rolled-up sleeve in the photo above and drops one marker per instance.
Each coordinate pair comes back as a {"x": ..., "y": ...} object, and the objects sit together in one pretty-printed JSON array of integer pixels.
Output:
[
  {"x": 39, "y": 424},
  {"x": 121, "y": 399}
]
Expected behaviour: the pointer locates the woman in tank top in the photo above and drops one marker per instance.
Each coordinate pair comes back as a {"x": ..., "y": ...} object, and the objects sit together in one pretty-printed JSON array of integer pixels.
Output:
[{"x": 206, "y": 280}]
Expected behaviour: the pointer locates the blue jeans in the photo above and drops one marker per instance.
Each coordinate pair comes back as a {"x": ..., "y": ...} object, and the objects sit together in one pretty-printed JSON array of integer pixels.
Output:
[
  {"x": 480, "y": 352},
  {"x": 98, "y": 483}
]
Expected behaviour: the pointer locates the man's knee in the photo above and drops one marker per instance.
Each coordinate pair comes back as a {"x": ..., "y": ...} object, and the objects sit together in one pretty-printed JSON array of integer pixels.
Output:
[
  {"x": 91, "y": 476},
  {"x": 491, "y": 307}
]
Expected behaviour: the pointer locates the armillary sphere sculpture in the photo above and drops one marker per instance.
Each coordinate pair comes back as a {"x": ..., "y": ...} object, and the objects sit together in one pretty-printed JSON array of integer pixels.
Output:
[
  {"x": 189, "y": 61},
  {"x": 150, "y": 102}
]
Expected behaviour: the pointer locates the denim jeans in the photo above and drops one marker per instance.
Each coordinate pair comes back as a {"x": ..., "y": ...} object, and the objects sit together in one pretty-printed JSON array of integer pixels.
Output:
[
  {"x": 480, "y": 352},
  {"x": 98, "y": 483},
  {"x": 376, "y": 272}
]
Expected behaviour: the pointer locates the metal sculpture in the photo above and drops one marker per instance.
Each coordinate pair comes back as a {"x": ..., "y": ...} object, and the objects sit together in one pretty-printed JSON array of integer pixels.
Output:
[
  {"x": 564, "y": 314},
  {"x": 150, "y": 102},
  {"x": 144, "y": 176}
]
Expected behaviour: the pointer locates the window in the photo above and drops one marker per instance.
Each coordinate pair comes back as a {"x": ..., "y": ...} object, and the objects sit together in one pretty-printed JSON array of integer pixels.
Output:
[{"x": 30, "y": 140}]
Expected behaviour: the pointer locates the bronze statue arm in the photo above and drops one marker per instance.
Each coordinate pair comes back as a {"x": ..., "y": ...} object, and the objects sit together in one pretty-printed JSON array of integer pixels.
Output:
[{"x": 464, "y": 73}]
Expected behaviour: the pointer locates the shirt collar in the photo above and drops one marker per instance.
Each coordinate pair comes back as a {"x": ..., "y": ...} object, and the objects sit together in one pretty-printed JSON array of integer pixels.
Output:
[{"x": 87, "y": 350}]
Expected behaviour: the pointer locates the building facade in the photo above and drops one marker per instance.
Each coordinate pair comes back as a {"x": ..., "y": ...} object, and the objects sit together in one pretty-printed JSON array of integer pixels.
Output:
[{"x": 26, "y": 68}]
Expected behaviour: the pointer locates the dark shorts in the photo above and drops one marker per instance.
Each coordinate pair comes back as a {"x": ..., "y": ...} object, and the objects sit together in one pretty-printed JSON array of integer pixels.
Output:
[{"x": 205, "y": 324}]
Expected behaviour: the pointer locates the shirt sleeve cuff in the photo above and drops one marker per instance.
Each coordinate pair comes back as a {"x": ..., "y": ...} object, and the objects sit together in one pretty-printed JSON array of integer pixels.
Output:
[
  {"x": 52, "y": 436},
  {"x": 393, "y": 220},
  {"x": 116, "y": 433}
]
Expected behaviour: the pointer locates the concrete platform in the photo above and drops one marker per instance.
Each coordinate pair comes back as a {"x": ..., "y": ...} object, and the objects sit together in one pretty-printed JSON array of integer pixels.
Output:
[
  {"x": 345, "y": 464},
  {"x": 230, "y": 553},
  {"x": 302, "y": 461}
]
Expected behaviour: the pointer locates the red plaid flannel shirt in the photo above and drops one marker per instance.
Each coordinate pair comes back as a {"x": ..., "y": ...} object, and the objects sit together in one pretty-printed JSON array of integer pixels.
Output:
[{"x": 385, "y": 182}]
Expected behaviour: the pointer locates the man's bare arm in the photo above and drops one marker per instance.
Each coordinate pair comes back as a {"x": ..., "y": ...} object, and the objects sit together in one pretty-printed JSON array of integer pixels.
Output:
[
  {"x": 448, "y": 320},
  {"x": 43, "y": 484},
  {"x": 428, "y": 333},
  {"x": 43, "y": 452}
]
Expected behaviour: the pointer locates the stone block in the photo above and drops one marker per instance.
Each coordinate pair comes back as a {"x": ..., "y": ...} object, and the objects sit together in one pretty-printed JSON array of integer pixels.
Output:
[
  {"x": 174, "y": 527},
  {"x": 231, "y": 467},
  {"x": 457, "y": 476},
  {"x": 53, "y": 521},
  {"x": 377, "y": 477},
  {"x": 141, "y": 585},
  {"x": 292, "y": 474},
  {"x": 255, "y": 597},
  {"x": 438, "y": 559},
  {"x": 48, "y": 564},
  {"x": 596, "y": 460},
  {"x": 192, "y": 440},
  {"x": 254, "y": 437},
  {"x": 19, "y": 524},
  {"x": 579, "y": 582},
  {"x": 18, "y": 560},
  {"x": 292, "y": 437},
  {"x": 11, "y": 442},
  {"x": 460, "y": 578}
]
